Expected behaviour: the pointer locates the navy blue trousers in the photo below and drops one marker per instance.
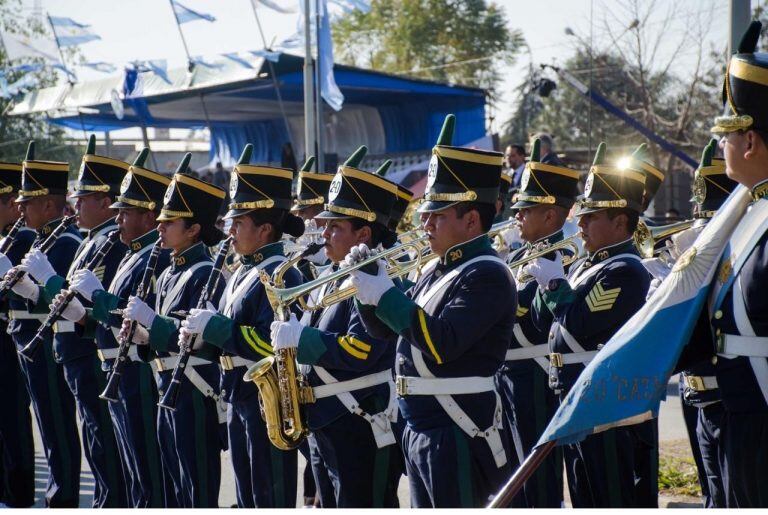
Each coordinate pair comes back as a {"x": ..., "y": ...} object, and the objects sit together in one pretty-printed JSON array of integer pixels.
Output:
[
  {"x": 448, "y": 469},
  {"x": 745, "y": 445},
  {"x": 54, "y": 409},
  {"x": 528, "y": 405},
  {"x": 86, "y": 381},
  {"x": 710, "y": 420},
  {"x": 323, "y": 486},
  {"x": 362, "y": 475},
  {"x": 265, "y": 476},
  {"x": 17, "y": 448},
  {"x": 190, "y": 445}
]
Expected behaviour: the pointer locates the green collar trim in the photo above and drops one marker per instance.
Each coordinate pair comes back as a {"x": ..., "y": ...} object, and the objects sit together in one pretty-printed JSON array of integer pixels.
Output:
[
  {"x": 144, "y": 241},
  {"x": 465, "y": 251},
  {"x": 49, "y": 227},
  {"x": 192, "y": 255},
  {"x": 760, "y": 190},
  {"x": 625, "y": 247},
  {"x": 265, "y": 252},
  {"x": 92, "y": 233}
]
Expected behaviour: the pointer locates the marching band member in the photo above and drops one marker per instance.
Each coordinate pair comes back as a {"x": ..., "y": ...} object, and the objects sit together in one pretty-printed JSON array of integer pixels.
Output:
[
  {"x": 601, "y": 292},
  {"x": 265, "y": 477},
  {"x": 738, "y": 310},
  {"x": 135, "y": 412},
  {"x": 190, "y": 436},
  {"x": 547, "y": 193},
  {"x": 311, "y": 194},
  {"x": 454, "y": 327},
  {"x": 41, "y": 199},
  {"x": 17, "y": 451},
  {"x": 97, "y": 184},
  {"x": 352, "y": 437}
]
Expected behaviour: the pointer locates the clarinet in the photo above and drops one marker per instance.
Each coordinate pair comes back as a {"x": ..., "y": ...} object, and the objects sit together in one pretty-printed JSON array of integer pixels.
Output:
[
  {"x": 8, "y": 241},
  {"x": 185, "y": 348},
  {"x": 110, "y": 393},
  {"x": 12, "y": 279},
  {"x": 57, "y": 308}
]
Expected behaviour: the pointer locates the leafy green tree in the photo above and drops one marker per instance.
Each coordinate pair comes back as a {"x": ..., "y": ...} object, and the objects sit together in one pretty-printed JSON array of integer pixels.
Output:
[{"x": 457, "y": 41}]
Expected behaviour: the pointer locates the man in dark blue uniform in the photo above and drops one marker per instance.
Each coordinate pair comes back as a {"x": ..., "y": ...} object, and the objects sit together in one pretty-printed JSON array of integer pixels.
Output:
[
  {"x": 454, "y": 327},
  {"x": 134, "y": 407},
  {"x": 547, "y": 193},
  {"x": 738, "y": 305},
  {"x": 602, "y": 291},
  {"x": 265, "y": 476},
  {"x": 311, "y": 194},
  {"x": 41, "y": 199},
  {"x": 192, "y": 435},
  {"x": 350, "y": 372},
  {"x": 17, "y": 450}
]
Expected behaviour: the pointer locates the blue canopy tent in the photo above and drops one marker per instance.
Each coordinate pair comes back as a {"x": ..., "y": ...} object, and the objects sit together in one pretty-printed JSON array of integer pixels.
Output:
[{"x": 388, "y": 113}]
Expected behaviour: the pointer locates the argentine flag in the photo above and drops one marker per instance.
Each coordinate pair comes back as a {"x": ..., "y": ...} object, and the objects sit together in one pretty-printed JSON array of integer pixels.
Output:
[
  {"x": 185, "y": 14},
  {"x": 627, "y": 380},
  {"x": 70, "y": 33}
]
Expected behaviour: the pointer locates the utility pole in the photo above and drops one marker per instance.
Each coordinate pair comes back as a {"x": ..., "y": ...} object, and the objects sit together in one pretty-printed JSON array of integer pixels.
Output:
[
  {"x": 740, "y": 14},
  {"x": 309, "y": 92}
]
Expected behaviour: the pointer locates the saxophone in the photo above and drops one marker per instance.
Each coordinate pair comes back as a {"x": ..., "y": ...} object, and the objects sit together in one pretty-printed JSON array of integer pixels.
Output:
[{"x": 282, "y": 388}]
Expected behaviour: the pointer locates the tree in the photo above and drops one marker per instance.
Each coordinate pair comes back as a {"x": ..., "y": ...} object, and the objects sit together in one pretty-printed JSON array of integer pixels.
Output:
[
  {"x": 16, "y": 131},
  {"x": 457, "y": 41}
]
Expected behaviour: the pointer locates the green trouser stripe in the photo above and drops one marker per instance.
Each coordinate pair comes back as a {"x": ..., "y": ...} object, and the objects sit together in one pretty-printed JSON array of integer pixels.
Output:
[
  {"x": 201, "y": 443},
  {"x": 463, "y": 468},
  {"x": 380, "y": 476},
  {"x": 278, "y": 469},
  {"x": 611, "y": 467},
  {"x": 114, "y": 474},
  {"x": 59, "y": 425},
  {"x": 148, "y": 402}
]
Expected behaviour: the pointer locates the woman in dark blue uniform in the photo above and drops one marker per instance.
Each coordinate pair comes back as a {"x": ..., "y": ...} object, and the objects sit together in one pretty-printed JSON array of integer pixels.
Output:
[{"x": 190, "y": 436}]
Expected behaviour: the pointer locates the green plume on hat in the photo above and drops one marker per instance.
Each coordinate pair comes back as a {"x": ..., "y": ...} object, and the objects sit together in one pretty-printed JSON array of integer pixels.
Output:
[
  {"x": 184, "y": 163},
  {"x": 640, "y": 153},
  {"x": 599, "y": 154},
  {"x": 382, "y": 171},
  {"x": 357, "y": 157},
  {"x": 708, "y": 153},
  {"x": 446, "y": 133},
  {"x": 751, "y": 36},
  {"x": 308, "y": 164},
  {"x": 245, "y": 157},
  {"x": 141, "y": 158},
  {"x": 90, "y": 148},
  {"x": 536, "y": 151},
  {"x": 30, "y": 151}
]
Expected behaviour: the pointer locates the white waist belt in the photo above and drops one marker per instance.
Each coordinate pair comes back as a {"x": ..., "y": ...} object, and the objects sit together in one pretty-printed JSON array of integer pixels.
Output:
[
  {"x": 700, "y": 383},
  {"x": 443, "y": 385},
  {"x": 63, "y": 326},
  {"x": 737, "y": 345},
  {"x": 537, "y": 351},
  {"x": 330, "y": 389},
  {"x": 169, "y": 363},
  {"x": 16, "y": 314},
  {"x": 105, "y": 354},
  {"x": 558, "y": 360},
  {"x": 232, "y": 362}
]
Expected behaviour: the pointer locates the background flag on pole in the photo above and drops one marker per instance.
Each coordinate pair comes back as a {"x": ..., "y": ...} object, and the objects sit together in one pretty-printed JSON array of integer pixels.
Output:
[
  {"x": 19, "y": 46},
  {"x": 68, "y": 32},
  {"x": 627, "y": 380},
  {"x": 185, "y": 14},
  {"x": 328, "y": 88},
  {"x": 275, "y": 6},
  {"x": 101, "y": 66}
]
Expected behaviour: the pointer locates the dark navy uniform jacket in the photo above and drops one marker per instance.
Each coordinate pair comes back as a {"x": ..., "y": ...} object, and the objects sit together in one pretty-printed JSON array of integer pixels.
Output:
[
  {"x": 464, "y": 330},
  {"x": 744, "y": 385},
  {"x": 243, "y": 328},
  {"x": 178, "y": 290},
  {"x": 16, "y": 252},
  {"x": 124, "y": 284},
  {"x": 587, "y": 314},
  {"x": 338, "y": 342},
  {"x": 60, "y": 256},
  {"x": 69, "y": 344}
]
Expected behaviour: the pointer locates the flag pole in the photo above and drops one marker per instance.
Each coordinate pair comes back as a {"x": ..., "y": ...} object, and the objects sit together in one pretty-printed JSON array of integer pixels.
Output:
[
  {"x": 61, "y": 52},
  {"x": 521, "y": 475},
  {"x": 319, "y": 129},
  {"x": 310, "y": 147},
  {"x": 274, "y": 78}
]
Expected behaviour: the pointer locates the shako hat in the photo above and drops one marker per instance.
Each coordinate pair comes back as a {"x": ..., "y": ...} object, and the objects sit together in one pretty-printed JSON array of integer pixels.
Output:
[
  {"x": 711, "y": 186},
  {"x": 190, "y": 198},
  {"x": 257, "y": 186},
  {"x": 42, "y": 177},
  {"x": 312, "y": 187},
  {"x": 543, "y": 183},
  {"x": 99, "y": 174},
  {"x": 10, "y": 177},
  {"x": 640, "y": 161},
  {"x": 141, "y": 187},
  {"x": 610, "y": 186}
]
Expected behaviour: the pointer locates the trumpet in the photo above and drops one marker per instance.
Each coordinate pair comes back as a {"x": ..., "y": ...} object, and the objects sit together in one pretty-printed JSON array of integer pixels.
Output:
[
  {"x": 646, "y": 238},
  {"x": 565, "y": 244}
]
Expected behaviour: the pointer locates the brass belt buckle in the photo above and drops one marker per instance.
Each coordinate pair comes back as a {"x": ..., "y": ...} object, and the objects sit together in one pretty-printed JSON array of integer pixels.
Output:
[
  {"x": 401, "y": 386},
  {"x": 695, "y": 383},
  {"x": 556, "y": 360},
  {"x": 159, "y": 364},
  {"x": 226, "y": 362},
  {"x": 100, "y": 355}
]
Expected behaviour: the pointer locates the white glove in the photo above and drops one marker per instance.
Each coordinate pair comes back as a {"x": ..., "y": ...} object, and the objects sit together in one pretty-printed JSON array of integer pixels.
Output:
[
  {"x": 682, "y": 241},
  {"x": 197, "y": 320},
  {"x": 27, "y": 288},
  {"x": 140, "y": 335},
  {"x": 36, "y": 264},
  {"x": 194, "y": 338},
  {"x": 85, "y": 283},
  {"x": 138, "y": 310},
  {"x": 74, "y": 312},
  {"x": 512, "y": 237},
  {"x": 285, "y": 335},
  {"x": 5, "y": 264},
  {"x": 319, "y": 258},
  {"x": 655, "y": 283},
  {"x": 357, "y": 254},
  {"x": 544, "y": 270},
  {"x": 657, "y": 268},
  {"x": 370, "y": 288}
]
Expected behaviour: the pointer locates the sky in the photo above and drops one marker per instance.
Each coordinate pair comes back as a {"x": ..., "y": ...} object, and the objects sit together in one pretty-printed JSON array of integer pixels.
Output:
[{"x": 145, "y": 29}]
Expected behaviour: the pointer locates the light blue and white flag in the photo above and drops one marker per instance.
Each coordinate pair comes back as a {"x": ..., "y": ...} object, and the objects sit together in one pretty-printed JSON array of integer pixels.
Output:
[
  {"x": 328, "y": 88},
  {"x": 627, "y": 379},
  {"x": 184, "y": 14},
  {"x": 68, "y": 32},
  {"x": 347, "y": 6},
  {"x": 19, "y": 46},
  {"x": 159, "y": 67},
  {"x": 281, "y": 6},
  {"x": 26, "y": 68},
  {"x": 269, "y": 55},
  {"x": 202, "y": 61},
  {"x": 101, "y": 66},
  {"x": 237, "y": 58}
]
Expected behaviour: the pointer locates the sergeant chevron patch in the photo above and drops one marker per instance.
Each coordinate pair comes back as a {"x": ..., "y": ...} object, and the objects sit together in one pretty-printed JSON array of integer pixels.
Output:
[
  {"x": 600, "y": 299},
  {"x": 521, "y": 311}
]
